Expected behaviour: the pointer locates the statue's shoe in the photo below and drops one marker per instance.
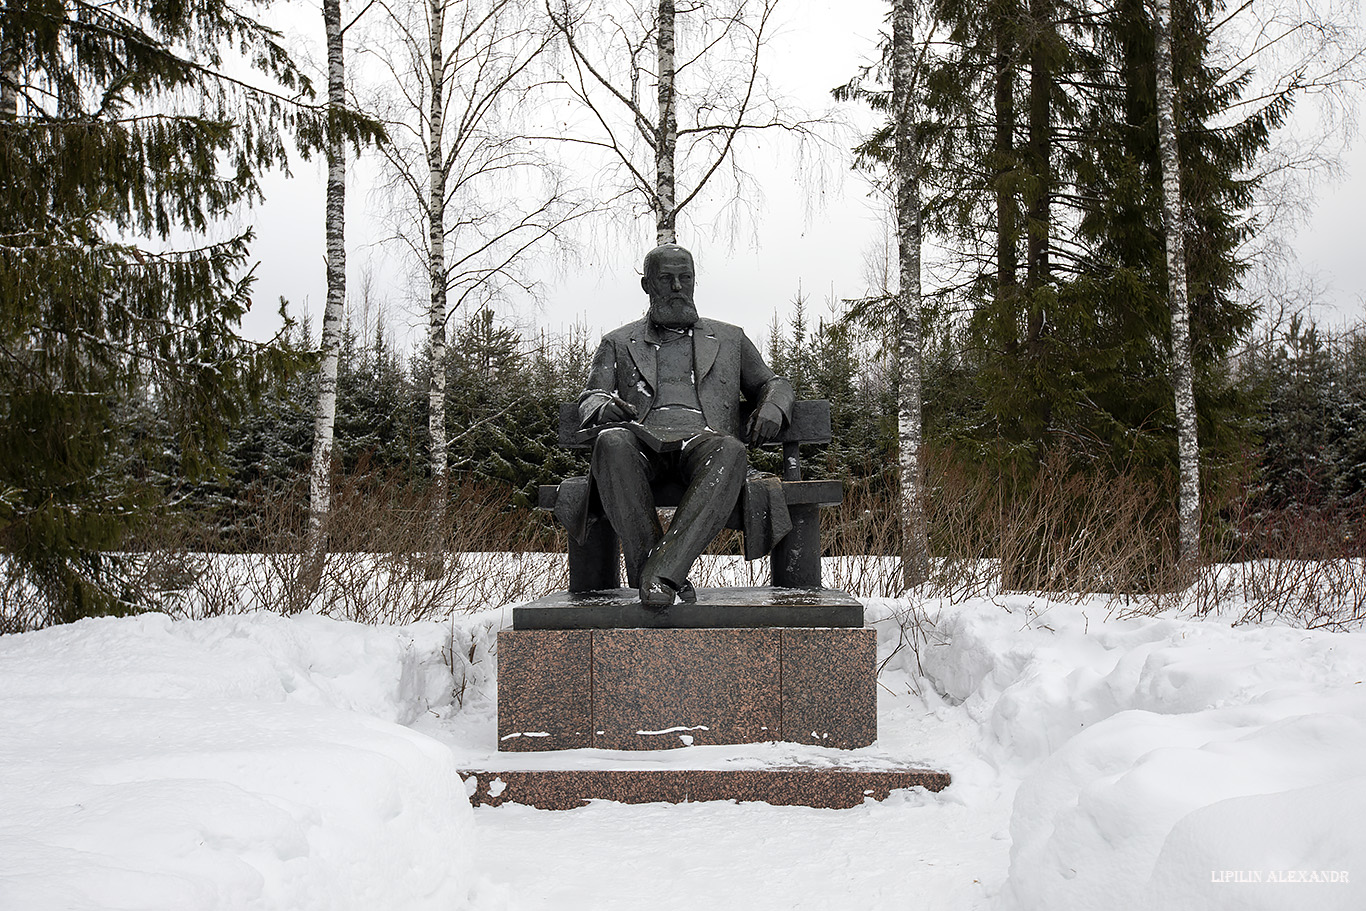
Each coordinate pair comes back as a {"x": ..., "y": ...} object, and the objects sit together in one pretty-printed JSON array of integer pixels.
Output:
[
  {"x": 656, "y": 594},
  {"x": 687, "y": 593}
]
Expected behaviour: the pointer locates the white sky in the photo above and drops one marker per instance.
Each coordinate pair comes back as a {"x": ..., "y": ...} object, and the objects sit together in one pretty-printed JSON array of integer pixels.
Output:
[
  {"x": 1331, "y": 245},
  {"x": 815, "y": 242}
]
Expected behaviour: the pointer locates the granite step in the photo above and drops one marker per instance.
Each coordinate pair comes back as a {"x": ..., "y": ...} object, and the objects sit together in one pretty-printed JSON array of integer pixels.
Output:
[{"x": 826, "y": 787}]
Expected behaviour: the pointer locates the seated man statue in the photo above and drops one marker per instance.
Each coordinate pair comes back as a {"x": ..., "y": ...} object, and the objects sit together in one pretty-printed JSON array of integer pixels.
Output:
[{"x": 677, "y": 380}]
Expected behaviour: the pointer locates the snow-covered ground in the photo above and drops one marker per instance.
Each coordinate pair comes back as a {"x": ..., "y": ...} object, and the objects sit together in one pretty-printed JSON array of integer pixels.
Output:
[{"x": 1099, "y": 763}]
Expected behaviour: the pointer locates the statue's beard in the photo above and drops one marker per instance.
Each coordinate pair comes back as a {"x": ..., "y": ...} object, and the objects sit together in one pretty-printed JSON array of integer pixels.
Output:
[{"x": 675, "y": 313}]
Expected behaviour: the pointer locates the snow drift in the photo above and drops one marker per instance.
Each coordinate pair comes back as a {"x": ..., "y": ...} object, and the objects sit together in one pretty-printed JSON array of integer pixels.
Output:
[
  {"x": 240, "y": 762},
  {"x": 1163, "y": 762}
]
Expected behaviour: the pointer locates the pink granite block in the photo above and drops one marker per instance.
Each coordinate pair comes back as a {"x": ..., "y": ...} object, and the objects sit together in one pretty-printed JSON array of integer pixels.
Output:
[
  {"x": 659, "y": 689},
  {"x": 545, "y": 698},
  {"x": 566, "y": 789},
  {"x": 829, "y": 687}
]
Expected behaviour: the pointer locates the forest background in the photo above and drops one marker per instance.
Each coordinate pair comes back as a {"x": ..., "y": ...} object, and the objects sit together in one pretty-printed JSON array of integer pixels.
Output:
[{"x": 138, "y": 420}]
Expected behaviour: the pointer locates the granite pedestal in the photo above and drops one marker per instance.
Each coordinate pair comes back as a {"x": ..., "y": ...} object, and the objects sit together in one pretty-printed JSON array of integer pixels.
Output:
[
  {"x": 736, "y": 667},
  {"x": 595, "y": 669}
]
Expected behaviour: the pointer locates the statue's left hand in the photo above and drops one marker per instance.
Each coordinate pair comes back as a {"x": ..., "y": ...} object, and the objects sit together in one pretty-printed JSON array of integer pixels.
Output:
[{"x": 765, "y": 424}]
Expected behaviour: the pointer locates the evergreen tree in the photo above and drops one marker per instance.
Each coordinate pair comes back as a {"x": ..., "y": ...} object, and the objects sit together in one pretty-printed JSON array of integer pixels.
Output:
[
  {"x": 116, "y": 124},
  {"x": 1351, "y": 476},
  {"x": 503, "y": 406},
  {"x": 377, "y": 428},
  {"x": 838, "y": 362},
  {"x": 1311, "y": 390},
  {"x": 1125, "y": 274},
  {"x": 1057, "y": 239},
  {"x": 265, "y": 460}
]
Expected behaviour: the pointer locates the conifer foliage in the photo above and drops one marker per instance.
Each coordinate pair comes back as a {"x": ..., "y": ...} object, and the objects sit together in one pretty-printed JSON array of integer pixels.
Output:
[
  {"x": 119, "y": 139},
  {"x": 1043, "y": 191},
  {"x": 1310, "y": 388}
]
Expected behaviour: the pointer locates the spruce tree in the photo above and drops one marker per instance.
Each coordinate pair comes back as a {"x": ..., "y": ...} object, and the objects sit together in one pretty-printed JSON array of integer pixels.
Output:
[
  {"x": 1042, "y": 181},
  {"x": 1351, "y": 450},
  {"x": 377, "y": 424},
  {"x": 117, "y": 125},
  {"x": 1311, "y": 461}
]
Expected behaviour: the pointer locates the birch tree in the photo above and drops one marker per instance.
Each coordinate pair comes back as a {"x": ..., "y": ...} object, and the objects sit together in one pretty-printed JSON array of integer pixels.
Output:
[
  {"x": 895, "y": 157},
  {"x": 669, "y": 122},
  {"x": 1267, "y": 57},
  {"x": 9, "y": 76},
  {"x": 909, "y": 334},
  {"x": 470, "y": 193},
  {"x": 1182, "y": 369},
  {"x": 334, "y": 313}
]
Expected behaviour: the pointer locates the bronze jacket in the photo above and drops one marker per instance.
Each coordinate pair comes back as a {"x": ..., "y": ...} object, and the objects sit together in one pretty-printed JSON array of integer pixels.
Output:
[{"x": 727, "y": 368}]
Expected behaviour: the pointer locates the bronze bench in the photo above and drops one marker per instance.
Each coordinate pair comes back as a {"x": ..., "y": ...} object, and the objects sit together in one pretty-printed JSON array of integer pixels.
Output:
[{"x": 796, "y": 559}]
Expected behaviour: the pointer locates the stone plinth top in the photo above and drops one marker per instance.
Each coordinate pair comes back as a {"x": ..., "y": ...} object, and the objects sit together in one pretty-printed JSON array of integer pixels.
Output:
[{"x": 715, "y": 608}]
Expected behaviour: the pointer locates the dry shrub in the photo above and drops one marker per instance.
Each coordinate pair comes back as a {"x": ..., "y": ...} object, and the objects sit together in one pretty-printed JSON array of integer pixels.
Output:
[
  {"x": 1297, "y": 565},
  {"x": 392, "y": 557},
  {"x": 1308, "y": 594},
  {"x": 729, "y": 570},
  {"x": 860, "y": 539},
  {"x": 1069, "y": 533},
  {"x": 1061, "y": 532},
  {"x": 1083, "y": 532},
  {"x": 136, "y": 581}
]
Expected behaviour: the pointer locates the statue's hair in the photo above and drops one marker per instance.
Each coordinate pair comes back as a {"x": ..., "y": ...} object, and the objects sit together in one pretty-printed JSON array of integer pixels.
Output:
[{"x": 652, "y": 258}]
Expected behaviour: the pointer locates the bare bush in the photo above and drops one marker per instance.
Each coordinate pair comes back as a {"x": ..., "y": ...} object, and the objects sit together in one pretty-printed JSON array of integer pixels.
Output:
[
  {"x": 1068, "y": 533},
  {"x": 1060, "y": 532},
  {"x": 1065, "y": 533},
  {"x": 1299, "y": 565},
  {"x": 378, "y": 567}
]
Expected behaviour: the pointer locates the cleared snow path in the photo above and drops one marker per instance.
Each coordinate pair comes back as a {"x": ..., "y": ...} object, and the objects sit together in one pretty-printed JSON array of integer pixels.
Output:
[
  {"x": 915, "y": 850},
  {"x": 904, "y": 854}
]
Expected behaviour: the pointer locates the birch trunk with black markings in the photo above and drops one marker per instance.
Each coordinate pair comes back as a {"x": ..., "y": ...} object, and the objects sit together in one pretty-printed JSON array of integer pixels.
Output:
[
  {"x": 914, "y": 536},
  {"x": 334, "y": 314},
  {"x": 1181, "y": 371}
]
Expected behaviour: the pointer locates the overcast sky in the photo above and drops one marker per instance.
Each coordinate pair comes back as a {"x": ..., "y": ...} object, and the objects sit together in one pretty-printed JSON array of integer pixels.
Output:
[{"x": 813, "y": 241}]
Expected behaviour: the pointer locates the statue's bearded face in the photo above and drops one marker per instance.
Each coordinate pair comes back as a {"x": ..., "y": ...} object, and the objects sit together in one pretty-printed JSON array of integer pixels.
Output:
[{"x": 670, "y": 285}]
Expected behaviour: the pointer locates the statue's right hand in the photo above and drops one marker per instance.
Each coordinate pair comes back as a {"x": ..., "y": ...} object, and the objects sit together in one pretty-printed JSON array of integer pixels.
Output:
[{"x": 615, "y": 410}]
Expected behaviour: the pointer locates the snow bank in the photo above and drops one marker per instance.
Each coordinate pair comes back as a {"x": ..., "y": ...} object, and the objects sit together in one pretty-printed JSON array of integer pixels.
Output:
[
  {"x": 1165, "y": 763},
  {"x": 241, "y": 762},
  {"x": 263, "y": 762}
]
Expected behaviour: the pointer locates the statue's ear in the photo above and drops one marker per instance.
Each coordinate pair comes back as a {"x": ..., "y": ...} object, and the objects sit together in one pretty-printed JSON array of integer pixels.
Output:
[{"x": 645, "y": 283}]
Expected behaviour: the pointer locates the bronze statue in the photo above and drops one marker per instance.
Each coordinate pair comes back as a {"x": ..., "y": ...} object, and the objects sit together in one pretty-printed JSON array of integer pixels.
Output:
[{"x": 664, "y": 395}]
